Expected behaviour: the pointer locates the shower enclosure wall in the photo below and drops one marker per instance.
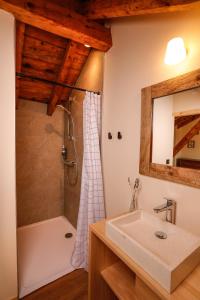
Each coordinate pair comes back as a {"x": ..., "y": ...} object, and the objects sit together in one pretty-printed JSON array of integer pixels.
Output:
[
  {"x": 47, "y": 204},
  {"x": 43, "y": 251},
  {"x": 39, "y": 167}
]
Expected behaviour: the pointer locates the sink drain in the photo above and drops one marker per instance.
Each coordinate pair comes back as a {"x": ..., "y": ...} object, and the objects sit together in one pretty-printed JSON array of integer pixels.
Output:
[
  {"x": 68, "y": 235},
  {"x": 161, "y": 235}
]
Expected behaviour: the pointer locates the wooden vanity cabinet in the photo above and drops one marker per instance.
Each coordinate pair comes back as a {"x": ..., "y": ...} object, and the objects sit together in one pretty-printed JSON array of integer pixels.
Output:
[{"x": 114, "y": 275}]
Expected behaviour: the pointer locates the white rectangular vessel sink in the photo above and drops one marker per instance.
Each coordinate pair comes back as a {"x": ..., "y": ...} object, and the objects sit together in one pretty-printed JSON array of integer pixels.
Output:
[{"x": 167, "y": 260}]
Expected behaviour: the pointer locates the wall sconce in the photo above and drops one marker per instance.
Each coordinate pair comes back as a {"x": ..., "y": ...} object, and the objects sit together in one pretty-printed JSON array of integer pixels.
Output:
[{"x": 175, "y": 52}]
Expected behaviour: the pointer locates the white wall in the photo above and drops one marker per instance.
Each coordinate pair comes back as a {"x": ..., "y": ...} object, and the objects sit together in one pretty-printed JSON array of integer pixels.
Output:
[
  {"x": 8, "y": 268},
  {"x": 136, "y": 61},
  {"x": 163, "y": 130}
]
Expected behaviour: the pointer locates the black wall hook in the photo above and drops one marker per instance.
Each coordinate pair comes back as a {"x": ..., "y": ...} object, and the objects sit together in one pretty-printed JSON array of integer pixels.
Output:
[
  {"x": 119, "y": 135},
  {"x": 109, "y": 135}
]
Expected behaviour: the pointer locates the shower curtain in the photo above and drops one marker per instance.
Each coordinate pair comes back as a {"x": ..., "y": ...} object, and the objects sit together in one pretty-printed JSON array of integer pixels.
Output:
[{"x": 91, "y": 207}]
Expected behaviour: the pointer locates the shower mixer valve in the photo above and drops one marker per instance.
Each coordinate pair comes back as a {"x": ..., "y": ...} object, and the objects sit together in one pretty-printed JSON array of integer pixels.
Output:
[
  {"x": 64, "y": 152},
  {"x": 72, "y": 176}
]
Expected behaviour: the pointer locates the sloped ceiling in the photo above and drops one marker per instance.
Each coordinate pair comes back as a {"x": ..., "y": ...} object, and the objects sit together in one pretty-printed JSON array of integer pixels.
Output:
[
  {"x": 47, "y": 56},
  {"x": 51, "y": 34}
]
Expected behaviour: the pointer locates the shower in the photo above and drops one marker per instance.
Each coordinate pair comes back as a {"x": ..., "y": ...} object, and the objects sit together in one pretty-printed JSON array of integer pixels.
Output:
[{"x": 72, "y": 163}]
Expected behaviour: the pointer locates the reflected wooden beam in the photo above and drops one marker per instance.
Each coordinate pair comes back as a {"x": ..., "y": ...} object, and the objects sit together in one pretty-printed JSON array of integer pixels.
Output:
[
  {"x": 59, "y": 20},
  {"x": 189, "y": 135},
  {"x": 20, "y": 30},
  {"x": 97, "y": 9},
  {"x": 182, "y": 121}
]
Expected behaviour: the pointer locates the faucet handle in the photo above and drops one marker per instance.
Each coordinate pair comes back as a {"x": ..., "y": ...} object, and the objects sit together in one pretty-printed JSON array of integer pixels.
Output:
[
  {"x": 170, "y": 208},
  {"x": 170, "y": 202}
]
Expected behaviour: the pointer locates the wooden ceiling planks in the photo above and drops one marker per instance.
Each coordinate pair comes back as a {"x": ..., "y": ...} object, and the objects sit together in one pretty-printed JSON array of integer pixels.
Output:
[
  {"x": 42, "y": 51},
  {"x": 69, "y": 72},
  {"x": 42, "y": 57},
  {"x": 46, "y": 36},
  {"x": 57, "y": 91},
  {"x": 49, "y": 54},
  {"x": 75, "y": 65},
  {"x": 39, "y": 68},
  {"x": 35, "y": 90},
  {"x": 98, "y": 9},
  {"x": 46, "y": 50}
]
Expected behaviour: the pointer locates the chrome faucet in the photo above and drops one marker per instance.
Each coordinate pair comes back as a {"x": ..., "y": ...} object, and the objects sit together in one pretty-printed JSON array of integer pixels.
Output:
[{"x": 170, "y": 208}]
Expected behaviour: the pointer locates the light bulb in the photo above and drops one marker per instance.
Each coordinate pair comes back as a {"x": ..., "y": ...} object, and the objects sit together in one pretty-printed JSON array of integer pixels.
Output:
[{"x": 175, "y": 52}]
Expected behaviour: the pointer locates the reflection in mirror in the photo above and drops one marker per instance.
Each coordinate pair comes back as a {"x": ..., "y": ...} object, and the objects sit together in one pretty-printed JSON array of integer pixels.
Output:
[{"x": 176, "y": 128}]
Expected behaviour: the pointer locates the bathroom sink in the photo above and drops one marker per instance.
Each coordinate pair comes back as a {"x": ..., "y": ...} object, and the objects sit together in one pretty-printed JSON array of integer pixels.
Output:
[{"x": 165, "y": 251}]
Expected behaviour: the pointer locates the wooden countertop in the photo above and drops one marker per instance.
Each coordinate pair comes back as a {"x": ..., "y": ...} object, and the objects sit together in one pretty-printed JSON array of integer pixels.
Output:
[{"x": 189, "y": 289}]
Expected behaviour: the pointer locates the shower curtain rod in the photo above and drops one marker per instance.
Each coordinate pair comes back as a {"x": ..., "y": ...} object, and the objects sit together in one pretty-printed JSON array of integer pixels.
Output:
[{"x": 21, "y": 75}]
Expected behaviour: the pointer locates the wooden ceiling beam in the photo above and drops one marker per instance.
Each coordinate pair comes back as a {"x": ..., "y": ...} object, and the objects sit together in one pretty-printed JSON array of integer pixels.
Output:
[
  {"x": 62, "y": 77},
  {"x": 75, "y": 67},
  {"x": 20, "y": 30},
  {"x": 59, "y": 20},
  {"x": 188, "y": 136},
  {"x": 98, "y": 9}
]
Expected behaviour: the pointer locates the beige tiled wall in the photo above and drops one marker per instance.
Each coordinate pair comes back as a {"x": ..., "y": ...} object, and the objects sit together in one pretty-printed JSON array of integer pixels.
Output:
[
  {"x": 43, "y": 191},
  {"x": 91, "y": 78},
  {"x": 40, "y": 171}
]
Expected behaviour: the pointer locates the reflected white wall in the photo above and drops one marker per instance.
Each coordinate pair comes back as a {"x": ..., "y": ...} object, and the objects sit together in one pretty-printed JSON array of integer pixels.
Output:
[{"x": 163, "y": 131}]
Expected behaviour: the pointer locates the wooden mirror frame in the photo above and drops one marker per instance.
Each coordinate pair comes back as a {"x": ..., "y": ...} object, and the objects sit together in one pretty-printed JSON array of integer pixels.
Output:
[{"x": 185, "y": 176}]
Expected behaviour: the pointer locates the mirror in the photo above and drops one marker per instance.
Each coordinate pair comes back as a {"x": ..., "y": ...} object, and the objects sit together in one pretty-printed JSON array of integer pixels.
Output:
[
  {"x": 175, "y": 131},
  {"x": 170, "y": 130}
]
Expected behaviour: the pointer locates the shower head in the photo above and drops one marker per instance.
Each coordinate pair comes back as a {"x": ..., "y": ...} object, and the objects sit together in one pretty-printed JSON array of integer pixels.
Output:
[{"x": 64, "y": 108}]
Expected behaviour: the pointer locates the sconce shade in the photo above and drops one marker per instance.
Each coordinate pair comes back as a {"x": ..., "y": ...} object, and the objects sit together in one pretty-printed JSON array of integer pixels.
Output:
[{"x": 175, "y": 52}]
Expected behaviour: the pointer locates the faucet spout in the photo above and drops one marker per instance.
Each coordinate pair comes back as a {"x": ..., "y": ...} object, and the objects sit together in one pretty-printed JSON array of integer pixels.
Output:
[
  {"x": 170, "y": 208},
  {"x": 164, "y": 207},
  {"x": 160, "y": 208}
]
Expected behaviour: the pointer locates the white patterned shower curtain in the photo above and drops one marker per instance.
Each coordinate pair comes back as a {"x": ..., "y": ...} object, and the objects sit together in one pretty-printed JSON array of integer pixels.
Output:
[{"x": 91, "y": 207}]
